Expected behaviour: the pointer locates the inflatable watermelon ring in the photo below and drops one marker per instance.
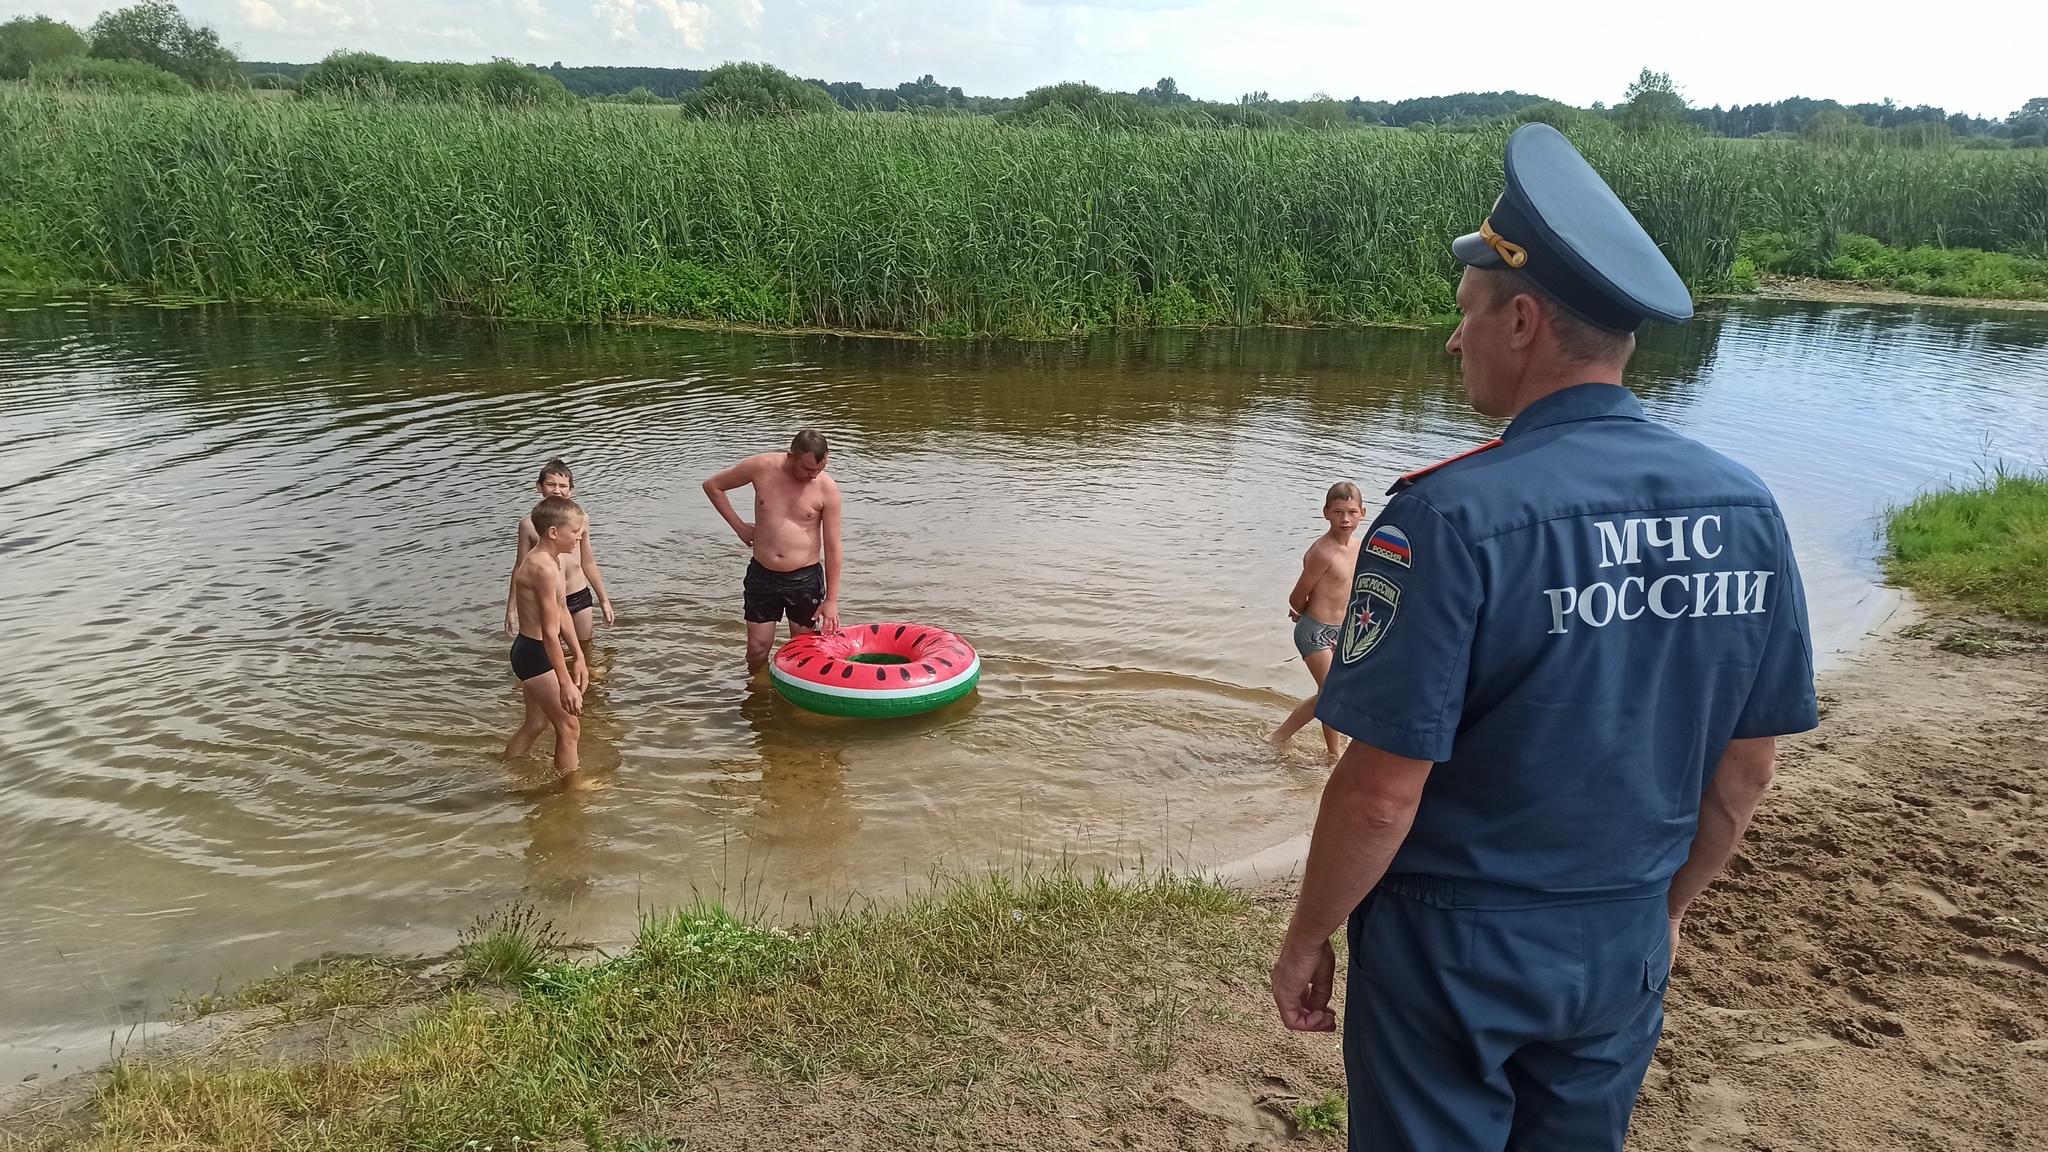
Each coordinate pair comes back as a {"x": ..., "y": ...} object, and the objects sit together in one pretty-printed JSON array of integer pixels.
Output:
[{"x": 873, "y": 670}]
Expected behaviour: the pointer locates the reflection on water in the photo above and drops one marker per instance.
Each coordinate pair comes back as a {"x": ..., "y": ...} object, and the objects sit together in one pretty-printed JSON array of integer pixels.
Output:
[{"x": 257, "y": 683}]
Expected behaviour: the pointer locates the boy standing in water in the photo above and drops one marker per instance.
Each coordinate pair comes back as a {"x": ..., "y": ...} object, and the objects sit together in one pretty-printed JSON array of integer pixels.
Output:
[
  {"x": 553, "y": 695},
  {"x": 1319, "y": 600},
  {"x": 795, "y": 539},
  {"x": 582, "y": 582}
]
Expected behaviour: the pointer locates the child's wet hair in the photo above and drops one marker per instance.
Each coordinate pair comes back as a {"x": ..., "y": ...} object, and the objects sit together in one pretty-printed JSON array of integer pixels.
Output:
[
  {"x": 556, "y": 467},
  {"x": 555, "y": 512},
  {"x": 1342, "y": 490}
]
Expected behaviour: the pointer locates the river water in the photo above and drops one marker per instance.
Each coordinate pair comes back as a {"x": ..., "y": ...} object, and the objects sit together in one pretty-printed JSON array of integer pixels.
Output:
[{"x": 255, "y": 686}]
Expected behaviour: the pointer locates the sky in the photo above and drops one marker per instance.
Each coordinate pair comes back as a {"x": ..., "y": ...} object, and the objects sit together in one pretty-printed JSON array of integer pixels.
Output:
[{"x": 1976, "y": 56}]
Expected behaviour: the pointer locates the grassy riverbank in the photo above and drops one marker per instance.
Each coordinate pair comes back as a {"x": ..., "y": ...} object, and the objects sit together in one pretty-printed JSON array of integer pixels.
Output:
[
  {"x": 1985, "y": 545},
  {"x": 1953, "y": 273},
  {"x": 972, "y": 989},
  {"x": 871, "y": 221}
]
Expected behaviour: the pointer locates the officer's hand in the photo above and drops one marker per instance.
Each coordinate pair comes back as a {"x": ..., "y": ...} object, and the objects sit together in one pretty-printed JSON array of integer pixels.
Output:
[{"x": 1302, "y": 979}]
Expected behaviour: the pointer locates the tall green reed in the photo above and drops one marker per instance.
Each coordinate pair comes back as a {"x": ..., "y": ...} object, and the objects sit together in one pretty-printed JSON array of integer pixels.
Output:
[{"x": 947, "y": 226}]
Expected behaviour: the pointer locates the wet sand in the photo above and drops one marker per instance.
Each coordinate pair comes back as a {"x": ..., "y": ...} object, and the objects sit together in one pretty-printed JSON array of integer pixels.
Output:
[{"x": 1871, "y": 974}]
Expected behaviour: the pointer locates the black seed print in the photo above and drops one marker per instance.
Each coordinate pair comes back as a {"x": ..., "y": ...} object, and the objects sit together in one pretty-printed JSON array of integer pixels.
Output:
[
  {"x": 906, "y": 674},
  {"x": 946, "y": 662},
  {"x": 899, "y": 630},
  {"x": 847, "y": 674},
  {"x": 929, "y": 670}
]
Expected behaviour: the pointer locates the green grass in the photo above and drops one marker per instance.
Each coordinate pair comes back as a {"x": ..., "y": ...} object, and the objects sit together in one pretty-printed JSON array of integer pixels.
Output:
[
  {"x": 944, "y": 989},
  {"x": 1924, "y": 270},
  {"x": 1324, "y": 1117},
  {"x": 1985, "y": 545},
  {"x": 936, "y": 225}
]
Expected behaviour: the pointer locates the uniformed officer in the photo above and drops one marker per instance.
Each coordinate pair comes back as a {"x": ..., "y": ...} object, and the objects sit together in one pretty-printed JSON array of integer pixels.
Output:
[{"x": 1564, "y": 661}]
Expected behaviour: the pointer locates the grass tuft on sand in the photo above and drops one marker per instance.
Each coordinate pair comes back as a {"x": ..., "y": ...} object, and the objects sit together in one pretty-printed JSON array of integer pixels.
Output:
[
  {"x": 1986, "y": 544},
  {"x": 943, "y": 990}
]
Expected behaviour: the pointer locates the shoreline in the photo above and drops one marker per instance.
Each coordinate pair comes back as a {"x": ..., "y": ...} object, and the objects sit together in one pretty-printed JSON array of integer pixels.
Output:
[
  {"x": 1814, "y": 290},
  {"x": 1862, "y": 977},
  {"x": 1770, "y": 288}
]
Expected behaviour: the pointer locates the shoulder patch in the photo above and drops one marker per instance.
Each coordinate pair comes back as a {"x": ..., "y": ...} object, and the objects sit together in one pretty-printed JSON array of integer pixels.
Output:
[
  {"x": 1390, "y": 543},
  {"x": 1374, "y": 600},
  {"x": 1410, "y": 478}
]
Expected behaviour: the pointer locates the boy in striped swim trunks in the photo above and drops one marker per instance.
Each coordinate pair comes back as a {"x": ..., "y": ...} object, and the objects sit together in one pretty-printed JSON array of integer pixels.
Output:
[{"x": 1318, "y": 602}]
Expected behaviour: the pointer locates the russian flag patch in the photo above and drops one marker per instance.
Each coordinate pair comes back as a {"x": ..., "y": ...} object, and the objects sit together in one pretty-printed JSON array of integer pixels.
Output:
[{"x": 1390, "y": 543}]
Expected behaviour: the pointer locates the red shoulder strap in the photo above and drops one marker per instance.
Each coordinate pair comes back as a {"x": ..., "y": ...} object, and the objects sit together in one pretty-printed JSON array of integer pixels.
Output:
[{"x": 1419, "y": 473}]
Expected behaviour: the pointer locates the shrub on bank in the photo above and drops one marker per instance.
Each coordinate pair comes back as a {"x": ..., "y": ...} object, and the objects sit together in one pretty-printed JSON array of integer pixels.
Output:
[
  {"x": 368, "y": 76},
  {"x": 1986, "y": 545},
  {"x": 27, "y": 41},
  {"x": 93, "y": 74},
  {"x": 747, "y": 91}
]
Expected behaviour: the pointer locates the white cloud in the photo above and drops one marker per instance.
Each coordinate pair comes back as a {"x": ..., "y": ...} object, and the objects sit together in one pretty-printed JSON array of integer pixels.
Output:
[{"x": 258, "y": 14}]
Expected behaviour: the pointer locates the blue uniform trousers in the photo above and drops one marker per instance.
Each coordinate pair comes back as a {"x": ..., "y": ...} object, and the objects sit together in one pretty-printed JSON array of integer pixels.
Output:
[{"x": 1481, "y": 1018}]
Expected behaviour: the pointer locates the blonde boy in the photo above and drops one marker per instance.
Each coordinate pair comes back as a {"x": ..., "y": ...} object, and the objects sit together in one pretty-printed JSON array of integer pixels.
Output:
[
  {"x": 554, "y": 695},
  {"x": 582, "y": 583}
]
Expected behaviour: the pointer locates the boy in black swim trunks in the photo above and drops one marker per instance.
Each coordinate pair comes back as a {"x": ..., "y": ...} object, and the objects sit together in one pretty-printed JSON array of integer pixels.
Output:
[
  {"x": 582, "y": 581},
  {"x": 554, "y": 696},
  {"x": 795, "y": 539}
]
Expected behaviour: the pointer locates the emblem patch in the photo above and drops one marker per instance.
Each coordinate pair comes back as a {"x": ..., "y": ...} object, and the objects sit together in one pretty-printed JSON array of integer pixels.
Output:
[
  {"x": 1389, "y": 543},
  {"x": 1374, "y": 599}
]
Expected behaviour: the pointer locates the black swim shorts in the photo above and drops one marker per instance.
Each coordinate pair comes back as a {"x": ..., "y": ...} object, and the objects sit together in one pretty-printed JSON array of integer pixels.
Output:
[
  {"x": 580, "y": 600},
  {"x": 530, "y": 658},
  {"x": 769, "y": 593}
]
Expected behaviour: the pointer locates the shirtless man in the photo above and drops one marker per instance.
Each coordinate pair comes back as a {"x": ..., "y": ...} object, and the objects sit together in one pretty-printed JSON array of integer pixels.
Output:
[
  {"x": 1321, "y": 596},
  {"x": 553, "y": 695},
  {"x": 795, "y": 527},
  {"x": 581, "y": 580}
]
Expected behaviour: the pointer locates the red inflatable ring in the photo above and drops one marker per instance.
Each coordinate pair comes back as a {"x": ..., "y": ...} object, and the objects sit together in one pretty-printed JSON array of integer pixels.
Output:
[{"x": 876, "y": 670}]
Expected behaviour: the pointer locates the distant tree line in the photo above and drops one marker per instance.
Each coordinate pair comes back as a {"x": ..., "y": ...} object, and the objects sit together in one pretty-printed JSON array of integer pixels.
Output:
[{"x": 151, "y": 46}]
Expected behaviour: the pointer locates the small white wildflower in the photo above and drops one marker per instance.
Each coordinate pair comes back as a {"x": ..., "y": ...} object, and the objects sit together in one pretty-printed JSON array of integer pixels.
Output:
[{"x": 1017, "y": 914}]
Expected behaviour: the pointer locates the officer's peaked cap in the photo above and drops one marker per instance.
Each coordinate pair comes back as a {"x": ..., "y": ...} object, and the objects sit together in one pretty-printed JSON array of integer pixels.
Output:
[{"x": 1560, "y": 225}]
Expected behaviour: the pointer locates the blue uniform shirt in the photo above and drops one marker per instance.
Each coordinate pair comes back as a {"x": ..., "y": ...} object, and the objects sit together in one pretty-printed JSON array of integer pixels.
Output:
[{"x": 1573, "y": 625}]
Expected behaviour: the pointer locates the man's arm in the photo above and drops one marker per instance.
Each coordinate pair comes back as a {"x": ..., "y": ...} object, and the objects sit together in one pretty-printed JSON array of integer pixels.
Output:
[
  {"x": 1368, "y": 806},
  {"x": 738, "y": 476},
  {"x": 828, "y": 612},
  {"x": 589, "y": 558},
  {"x": 1730, "y": 800},
  {"x": 555, "y": 619}
]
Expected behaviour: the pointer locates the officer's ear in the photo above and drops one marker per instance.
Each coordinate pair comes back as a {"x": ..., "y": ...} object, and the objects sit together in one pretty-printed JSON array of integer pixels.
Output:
[{"x": 1525, "y": 318}]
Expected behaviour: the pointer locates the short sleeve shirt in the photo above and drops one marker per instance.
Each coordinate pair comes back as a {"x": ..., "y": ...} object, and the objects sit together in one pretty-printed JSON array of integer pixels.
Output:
[{"x": 1572, "y": 625}]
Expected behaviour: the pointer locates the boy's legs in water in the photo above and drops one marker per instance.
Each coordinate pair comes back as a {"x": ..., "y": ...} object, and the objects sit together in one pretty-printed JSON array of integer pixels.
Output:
[
  {"x": 544, "y": 709},
  {"x": 1318, "y": 667}
]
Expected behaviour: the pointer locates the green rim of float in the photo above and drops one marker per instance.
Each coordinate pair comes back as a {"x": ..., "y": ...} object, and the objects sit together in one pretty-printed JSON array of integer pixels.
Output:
[
  {"x": 876, "y": 671},
  {"x": 873, "y": 705}
]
